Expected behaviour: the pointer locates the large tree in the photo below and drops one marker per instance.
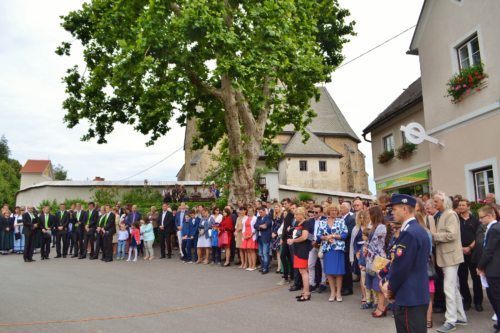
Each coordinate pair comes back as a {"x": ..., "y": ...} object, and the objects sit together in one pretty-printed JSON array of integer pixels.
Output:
[{"x": 244, "y": 69}]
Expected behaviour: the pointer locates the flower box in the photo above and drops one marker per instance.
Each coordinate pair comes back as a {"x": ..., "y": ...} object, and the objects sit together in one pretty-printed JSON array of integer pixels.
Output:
[
  {"x": 466, "y": 81},
  {"x": 405, "y": 150},
  {"x": 386, "y": 156}
]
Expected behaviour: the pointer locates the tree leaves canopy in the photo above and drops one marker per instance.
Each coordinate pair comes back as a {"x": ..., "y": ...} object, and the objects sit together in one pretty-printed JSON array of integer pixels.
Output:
[{"x": 146, "y": 60}]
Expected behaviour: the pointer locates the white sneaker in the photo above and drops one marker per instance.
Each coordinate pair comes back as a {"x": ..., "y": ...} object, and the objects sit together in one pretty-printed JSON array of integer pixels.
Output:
[
  {"x": 128, "y": 259},
  {"x": 494, "y": 318},
  {"x": 135, "y": 259}
]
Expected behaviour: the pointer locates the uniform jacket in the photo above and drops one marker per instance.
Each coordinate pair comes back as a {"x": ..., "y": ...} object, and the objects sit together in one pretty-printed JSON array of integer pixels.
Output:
[
  {"x": 449, "y": 250},
  {"x": 62, "y": 219},
  {"x": 93, "y": 218},
  {"x": 110, "y": 225},
  {"x": 407, "y": 275},
  {"x": 79, "y": 219},
  {"x": 490, "y": 261},
  {"x": 28, "y": 223},
  {"x": 51, "y": 222}
]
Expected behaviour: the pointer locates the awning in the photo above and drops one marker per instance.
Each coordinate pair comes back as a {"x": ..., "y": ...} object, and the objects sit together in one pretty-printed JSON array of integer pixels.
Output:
[{"x": 415, "y": 177}]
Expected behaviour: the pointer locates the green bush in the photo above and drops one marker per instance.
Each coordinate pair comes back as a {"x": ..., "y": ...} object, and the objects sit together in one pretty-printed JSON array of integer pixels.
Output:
[
  {"x": 305, "y": 196},
  {"x": 104, "y": 195},
  {"x": 143, "y": 194}
]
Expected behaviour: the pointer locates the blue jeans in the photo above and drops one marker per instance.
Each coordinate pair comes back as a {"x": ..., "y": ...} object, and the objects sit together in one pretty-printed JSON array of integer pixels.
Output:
[
  {"x": 194, "y": 243},
  {"x": 264, "y": 254},
  {"x": 121, "y": 249}
]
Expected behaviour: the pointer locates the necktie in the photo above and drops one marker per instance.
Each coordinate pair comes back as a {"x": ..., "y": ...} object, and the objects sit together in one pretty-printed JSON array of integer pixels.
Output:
[
  {"x": 46, "y": 221},
  {"x": 78, "y": 216},
  {"x": 88, "y": 217}
]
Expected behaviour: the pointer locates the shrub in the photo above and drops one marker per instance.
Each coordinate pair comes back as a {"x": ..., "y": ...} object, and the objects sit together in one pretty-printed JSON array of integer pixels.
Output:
[
  {"x": 406, "y": 150},
  {"x": 386, "y": 156}
]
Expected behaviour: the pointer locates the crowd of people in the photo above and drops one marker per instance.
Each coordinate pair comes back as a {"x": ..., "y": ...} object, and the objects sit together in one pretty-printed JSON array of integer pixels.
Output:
[{"x": 411, "y": 255}]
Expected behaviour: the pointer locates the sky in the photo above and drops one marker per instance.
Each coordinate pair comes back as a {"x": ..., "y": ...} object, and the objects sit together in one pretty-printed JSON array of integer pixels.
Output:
[{"x": 31, "y": 91}]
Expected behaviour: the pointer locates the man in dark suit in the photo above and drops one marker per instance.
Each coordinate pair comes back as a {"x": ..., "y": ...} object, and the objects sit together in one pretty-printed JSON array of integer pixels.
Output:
[
  {"x": 30, "y": 223},
  {"x": 99, "y": 234},
  {"x": 46, "y": 224},
  {"x": 489, "y": 264},
  {"x": 108, "y": 231},
  {"x": 61, "y": 226},
  {"x": 263, "y": 229},
  {"x": 350, "y": 222},
  {"x": 92, "y": 218},
  {"x": 166, "y": 230},
  {"x": 79, "y": 218}
]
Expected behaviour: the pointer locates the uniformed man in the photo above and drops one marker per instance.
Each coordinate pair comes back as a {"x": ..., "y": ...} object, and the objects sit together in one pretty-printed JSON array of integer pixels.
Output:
[
  {"x": 61, "y": 227},
  {"x": 108, "y": 231},
  {"x": 46, "y": 224},
  {"x": 79, "y": 218},
  {"x": 92, "y": 218},
  {"x": 407, "y": 283},
  {"x": 30, "y": 222},
  {"x": 99, "y": 234}
]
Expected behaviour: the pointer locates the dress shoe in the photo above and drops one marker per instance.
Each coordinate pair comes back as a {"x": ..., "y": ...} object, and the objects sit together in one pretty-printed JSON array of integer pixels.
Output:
[
  {"x": 293, "y": 288},
  {"x": 74, "y": 256},
  {"x": 47, "y": 258},
  {"x": 64, "y": 256},
  {"x": 31, "y": 260},
  {"x": 264, "y": 272},
  {"x": 321, "y": 288},
  {"x": 92, "y": 258},
  {"x": 108, "y": 260},
  {"x": 347, "y": 292},
  {"x": 26, "y": 260},
  {"x": 162, "y": 257},
  {"x": 58, "y": 256},
  {"x": 466, "y": 307},
  {"x": 82, "y": 257},
  {"x": 313, "y": 288},
  {"x": 479, "y": 308}
]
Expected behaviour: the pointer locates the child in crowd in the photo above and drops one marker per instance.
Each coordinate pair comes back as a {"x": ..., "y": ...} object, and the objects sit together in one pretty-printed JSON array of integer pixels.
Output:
[
  {"x": 216, "y": 250},
  {"x": 123, "y": 235},
  {"x": 140, "y": 246},
  {"x": 369, "y": 294},
  {"x": 135, "y": 241}
]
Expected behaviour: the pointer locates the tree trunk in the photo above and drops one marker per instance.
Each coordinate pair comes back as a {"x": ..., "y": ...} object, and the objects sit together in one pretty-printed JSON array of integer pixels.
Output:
[{"x": 244, "y": 153}]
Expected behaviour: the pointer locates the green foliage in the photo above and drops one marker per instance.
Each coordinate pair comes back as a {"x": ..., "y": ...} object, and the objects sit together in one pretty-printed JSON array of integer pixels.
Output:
[
  {"x": 4, "y": 148},
  {"x": 385, "y": 156},
  {"x": 54, "y": 205},
  {"x": 104, "y": 195},
  {"x": 147, "y": 59},
  {"x": 143, "y": 194},
  {"x": 9, "y": 174},
  {"x": 465, "y": 81},
  {"x": 405, "y": 150},
  {"x": 60, "y": 173},
  {"x": 305, "y": 196}
]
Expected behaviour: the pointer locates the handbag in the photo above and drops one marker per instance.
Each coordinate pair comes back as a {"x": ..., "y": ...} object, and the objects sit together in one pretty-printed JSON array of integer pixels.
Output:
[
  {"x": 320, "y": 253},
  {"x": 431, "y": 269},
  {"x": 17, "y": 235},
  {"x": 223, "y": 239}
]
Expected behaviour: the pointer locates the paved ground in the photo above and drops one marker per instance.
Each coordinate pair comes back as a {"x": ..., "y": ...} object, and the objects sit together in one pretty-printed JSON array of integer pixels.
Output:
[{"x": 70, "y": 295}]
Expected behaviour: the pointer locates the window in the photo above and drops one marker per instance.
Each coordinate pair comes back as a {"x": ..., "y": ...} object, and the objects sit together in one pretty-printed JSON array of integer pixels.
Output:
[
  {"x": 403, "y": 137},
  {"x": 483, "y": 182},
  {"x": 389, "y": 143},
  {"x": 303, "y": 165},
  {"x": 468, "y": 53},
  {"x": 322, "y": 165}
]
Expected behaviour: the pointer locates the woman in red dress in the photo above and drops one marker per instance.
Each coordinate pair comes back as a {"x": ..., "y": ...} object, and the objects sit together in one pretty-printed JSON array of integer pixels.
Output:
[
  {"x": 301, "y": 247},
  {"x": 226, "y": 230}
]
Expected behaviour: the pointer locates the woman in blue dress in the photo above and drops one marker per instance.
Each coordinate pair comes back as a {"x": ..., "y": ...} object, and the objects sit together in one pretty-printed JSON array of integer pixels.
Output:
[{"x": 332, "y": 234}]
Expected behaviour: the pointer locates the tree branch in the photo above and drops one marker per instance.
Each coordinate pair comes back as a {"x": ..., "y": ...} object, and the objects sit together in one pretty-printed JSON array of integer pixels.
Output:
[
  {"x": 204, "y": 87},
  {"x": 266, "y": 92},
  {"x": 244, "y": 112},
  {"x": 175, "y": 8}
]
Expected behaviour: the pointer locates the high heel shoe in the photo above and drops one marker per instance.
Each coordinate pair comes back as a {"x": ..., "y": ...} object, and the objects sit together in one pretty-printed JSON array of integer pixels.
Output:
[{"x": 383, "y": 313}]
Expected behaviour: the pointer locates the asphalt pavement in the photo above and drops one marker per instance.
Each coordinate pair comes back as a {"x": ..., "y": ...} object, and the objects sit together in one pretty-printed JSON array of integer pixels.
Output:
[{"x": 71, "y": 295}]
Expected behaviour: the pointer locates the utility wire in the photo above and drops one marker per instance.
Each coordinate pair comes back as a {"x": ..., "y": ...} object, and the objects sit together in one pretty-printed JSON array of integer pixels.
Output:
[
  {"x": 376, "y": 47},
  {"x": 152, "y": 166}
]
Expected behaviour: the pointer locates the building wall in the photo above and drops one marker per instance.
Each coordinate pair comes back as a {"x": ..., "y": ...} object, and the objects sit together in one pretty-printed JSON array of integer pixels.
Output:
[
  {"x": 449, "y": 24},
  {"x": 29, "y": 179},
  {"x": 468, "y": 129},
  {"x": 312, "y": 178},
  {"x": 35, "y": 196},
  {"x": 396, "y": 167},
  {"x": 353, "y": 175},
  {"x": 452, "y": 164}
]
